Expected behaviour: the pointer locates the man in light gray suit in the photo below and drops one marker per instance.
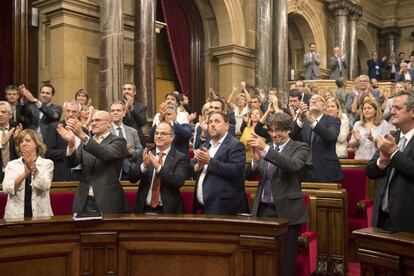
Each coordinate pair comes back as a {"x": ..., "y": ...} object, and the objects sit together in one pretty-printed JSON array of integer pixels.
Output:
[
  {"x": 311, "y": 62},
  {"x": 279, "y": 194},
  {"x": 338, "y": 65},
  {"x": 130, "y": 134},
  {"x": 101, "y": 157}
]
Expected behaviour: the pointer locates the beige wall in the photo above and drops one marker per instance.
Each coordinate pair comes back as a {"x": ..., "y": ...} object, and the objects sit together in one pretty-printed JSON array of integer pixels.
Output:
[{"x": 69, "y": 40}]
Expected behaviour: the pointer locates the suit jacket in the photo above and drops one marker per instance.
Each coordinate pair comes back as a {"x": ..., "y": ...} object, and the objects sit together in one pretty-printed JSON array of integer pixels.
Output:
[
  {"x": 223, "y": 186},
  {"x": 400, "y": 77},
  {"x": 51, "y": 113},
  {"x": 323, "y": 149},
  {"x": 285, "y": 184},
  {"x": 56, "y": 151},
  {"x": 311, "y": 65},
  {"x": 375, "y": 69},
  {"x": 13, "y": 155},
  {"x": 101, "y": 164},
  {"x": 172, "y": 175},
  {"x": 335, "y": 71},
  {"x": 132, "y": 138},
  {"x": 137, "y": 118},
  {"x": 182, "y": 136},
  {"x": 401, "y": 188}
]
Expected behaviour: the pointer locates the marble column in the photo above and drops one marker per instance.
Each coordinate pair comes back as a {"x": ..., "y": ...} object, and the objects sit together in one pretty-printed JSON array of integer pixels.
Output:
[
  {"x": 111, "y": 52},
  {"x": 391, "y": 34},
  {"x": 340, "y": 13},
  {"x": 280, "y": 47},
  {"x": 145, "y": 52},
  {"x": 263, "y": 44},
  {"x": 355, "y": 12}
]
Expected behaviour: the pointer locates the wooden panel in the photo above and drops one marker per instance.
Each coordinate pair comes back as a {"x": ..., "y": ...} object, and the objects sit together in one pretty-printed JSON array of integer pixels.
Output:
[
  {"x": 142, "y": 245},
  {"x": 385, "y": 253}
]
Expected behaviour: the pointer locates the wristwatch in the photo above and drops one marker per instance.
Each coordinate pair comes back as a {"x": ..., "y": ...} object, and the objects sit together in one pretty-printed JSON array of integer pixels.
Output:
[{"x": 85, "y": 139}]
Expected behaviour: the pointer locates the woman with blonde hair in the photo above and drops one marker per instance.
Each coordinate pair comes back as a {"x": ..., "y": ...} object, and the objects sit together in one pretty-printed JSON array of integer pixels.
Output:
[
  {"x": 333, "y": 108},
  {"x": 367, "y": 130},
  {"x": 252, "y": 119},
  {"x": 27, "y": 180}
]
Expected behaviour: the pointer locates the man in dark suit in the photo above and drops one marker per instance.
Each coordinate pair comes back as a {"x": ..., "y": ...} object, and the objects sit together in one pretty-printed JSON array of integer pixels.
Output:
[
  {"x": 39, "y": 114},
  {"x": 161, "y": 172},
  {"x": 320, "y": 131},
  {"x": 393, "y": 166},
  {"x": 134, "y": 146},
  {"x": 56, "y": 145},
  {"x": 101, "y": 157},
  {"x": 219, "y": 166},
  {"x": 7, "y": 133},
  {"x": 338, "y": 65},
  {"x": 279, "y": 194},
  {"x": 136, "y": 112},
  {"x": 182, "y": 132},
  {"x": 12, "y": 95},
  {"x": 375, "y": 66}
]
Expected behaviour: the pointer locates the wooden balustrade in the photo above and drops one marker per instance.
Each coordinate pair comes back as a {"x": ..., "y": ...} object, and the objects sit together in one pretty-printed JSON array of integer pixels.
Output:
[
  {"x": 142, "y": 245},
  {"x": 383, "y": 253}
]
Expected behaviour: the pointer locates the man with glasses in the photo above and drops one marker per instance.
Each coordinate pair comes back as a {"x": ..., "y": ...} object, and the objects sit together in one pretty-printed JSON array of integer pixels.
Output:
[
  {"x": 320, "y": 131},
  {"x": 279, "y": 195},
  {"x": 161, "y": 172},
  {"x": 101, "y": 157}
]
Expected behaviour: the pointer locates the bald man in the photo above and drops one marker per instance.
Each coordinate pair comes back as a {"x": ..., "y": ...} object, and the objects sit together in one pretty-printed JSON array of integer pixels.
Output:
[{"x": 101, "y": 157}]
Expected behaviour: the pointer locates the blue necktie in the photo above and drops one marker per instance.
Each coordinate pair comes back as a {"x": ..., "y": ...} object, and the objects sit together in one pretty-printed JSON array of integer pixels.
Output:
[{"x": 267, "y": 196}]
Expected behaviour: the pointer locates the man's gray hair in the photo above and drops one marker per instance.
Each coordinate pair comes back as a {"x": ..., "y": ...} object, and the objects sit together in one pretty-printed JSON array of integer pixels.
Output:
[{"x": 7, "y": 105}]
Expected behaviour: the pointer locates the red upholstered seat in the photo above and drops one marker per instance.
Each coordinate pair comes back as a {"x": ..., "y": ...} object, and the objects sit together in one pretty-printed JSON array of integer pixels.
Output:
[
  {"x": 188, "y": 197},
  {"x": 62, "y": 203},
  {"x": 131, "y": 197},
  {"x": 351, "y": 154},
  {"x": 359, "y": 206},
  {"x": 3, "y": 201},
  {"x": 306, "y": 260}
]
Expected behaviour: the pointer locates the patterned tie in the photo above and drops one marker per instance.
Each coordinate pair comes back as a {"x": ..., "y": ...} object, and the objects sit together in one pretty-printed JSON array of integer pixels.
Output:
[
  {"x": 267, "y": 188},
  {"x": 5, "y": 151},
  {"x": 125, "y": 163},
  {"x": 155, "y": 192},
  {"x": 385, "y": 200}
]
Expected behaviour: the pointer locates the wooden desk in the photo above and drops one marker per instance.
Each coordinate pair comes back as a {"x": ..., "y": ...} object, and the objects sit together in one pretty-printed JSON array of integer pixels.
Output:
[
  {"x": 142, "y": 245},
  {"x": 385, "y": 253}
]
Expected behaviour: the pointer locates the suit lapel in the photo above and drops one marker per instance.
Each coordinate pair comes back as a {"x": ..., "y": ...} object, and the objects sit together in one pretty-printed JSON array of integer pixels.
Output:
[{"x": 222, "y": 148}]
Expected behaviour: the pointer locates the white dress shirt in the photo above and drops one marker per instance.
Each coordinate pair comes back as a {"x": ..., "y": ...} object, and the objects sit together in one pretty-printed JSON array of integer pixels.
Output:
[{"x": 212, "y": 151}]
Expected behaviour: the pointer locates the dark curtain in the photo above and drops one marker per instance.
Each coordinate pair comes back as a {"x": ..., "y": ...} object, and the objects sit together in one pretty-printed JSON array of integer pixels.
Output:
[
  {"x": 6, "y": 45},
  {"x": 179, "y": 37}
]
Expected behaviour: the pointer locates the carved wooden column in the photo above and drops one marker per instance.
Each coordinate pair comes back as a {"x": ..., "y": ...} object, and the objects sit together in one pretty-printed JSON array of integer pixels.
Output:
[
  {"x": 111, "y": 52},
  {"x": 263, "y": 44},
  {"x": 340, "y": 13},
  {"x": 20, "y": 42},
  {"x": 391, "y": 34},
  {"x": 355, "y": 13},
  {"x": 280, "y": 46},
  {"x": 145, "y": 52}
]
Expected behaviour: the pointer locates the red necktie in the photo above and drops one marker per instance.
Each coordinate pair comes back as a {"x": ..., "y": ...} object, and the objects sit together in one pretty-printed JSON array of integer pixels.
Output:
[{"x": 155, "y": 192}]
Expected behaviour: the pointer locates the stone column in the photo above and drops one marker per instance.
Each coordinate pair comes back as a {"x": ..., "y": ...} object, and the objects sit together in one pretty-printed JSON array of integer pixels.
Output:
[
  {"x": 280, "y": 46},
  {"x": 263, "y": 44},
  {"x": 111, "y": 52},
  {"x": 355, "y": 12},
  {"x": 391, "y": 34},
  {"x": 340, "y": 12},
  {"x": 145, "y": 52}
]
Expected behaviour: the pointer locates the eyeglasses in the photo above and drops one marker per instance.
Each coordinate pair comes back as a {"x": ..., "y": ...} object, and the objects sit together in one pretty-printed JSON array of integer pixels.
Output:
[{"x": 162, "y": 133}]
